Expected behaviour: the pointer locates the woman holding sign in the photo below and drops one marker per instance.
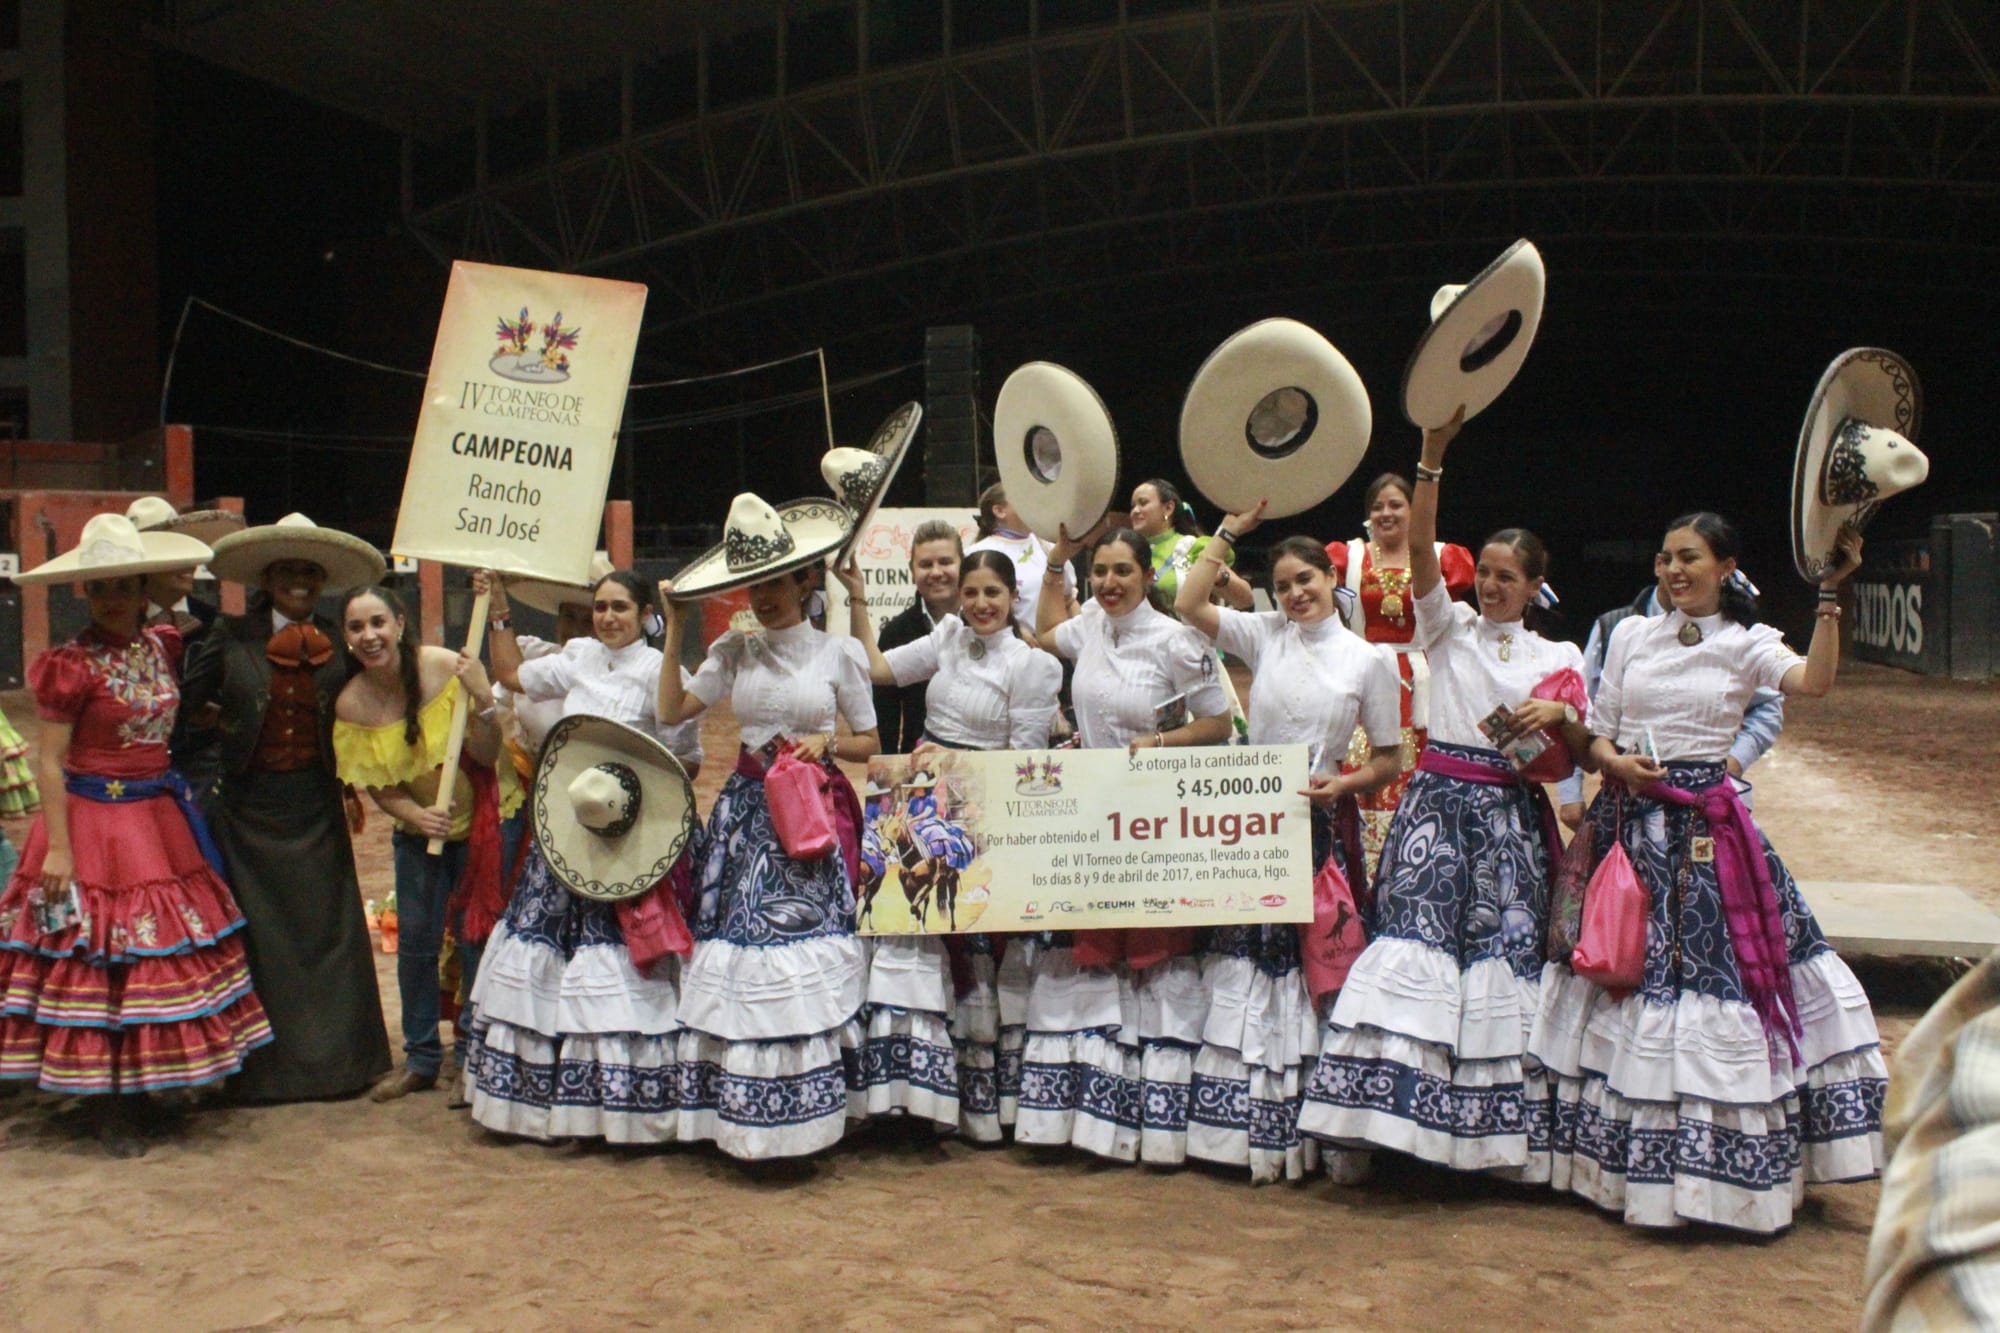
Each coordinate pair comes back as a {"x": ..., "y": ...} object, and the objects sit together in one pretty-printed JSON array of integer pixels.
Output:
[
  {"x": 391, "y": 725},
  {"x": 988, "y": 690},
  {"x": 1424, "y": 1050},
  {"x": 1313, "y": 681},
  {"x": 1090, "y": 1076},
  {"x": 773, "y": 997}
]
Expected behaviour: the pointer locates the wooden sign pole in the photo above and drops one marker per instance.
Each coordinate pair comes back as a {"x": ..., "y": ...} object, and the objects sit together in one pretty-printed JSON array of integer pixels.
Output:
[{"x": 475, "y": 638}]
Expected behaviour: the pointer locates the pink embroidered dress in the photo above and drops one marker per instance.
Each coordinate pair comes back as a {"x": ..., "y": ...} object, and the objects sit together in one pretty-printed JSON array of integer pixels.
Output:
[{"x": 148, "y": 987}]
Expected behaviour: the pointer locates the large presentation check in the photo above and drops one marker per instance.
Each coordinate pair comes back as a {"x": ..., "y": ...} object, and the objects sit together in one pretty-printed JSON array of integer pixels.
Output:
[{"x": 961, "y": 840}]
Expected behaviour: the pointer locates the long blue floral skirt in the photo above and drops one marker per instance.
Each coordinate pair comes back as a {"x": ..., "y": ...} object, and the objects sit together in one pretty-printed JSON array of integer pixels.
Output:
[
  {"x": 1424, "y": 1051},
  {"x": 1671, "y": 1105},
  {"x": 567, "y": 1038},
  {"x": 773, "y": 1000},
  {"x": 1259, "y": 1041}
]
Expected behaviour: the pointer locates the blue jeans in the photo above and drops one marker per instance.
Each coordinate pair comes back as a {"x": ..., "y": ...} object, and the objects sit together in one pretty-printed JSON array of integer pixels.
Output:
[{"x": 423, "y": 885}]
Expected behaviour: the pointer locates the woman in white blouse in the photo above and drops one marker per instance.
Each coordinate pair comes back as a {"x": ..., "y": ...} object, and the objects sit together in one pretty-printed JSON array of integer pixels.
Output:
[
  {"x": 569, "y": 1038},
  {"x": 1747, "y": 1062},
  {"x": 1114, "y": 1017},
  {"x": 988, "y": 691},
  {"x": 1423, "y": 1052},
  {"x": 1313, "y": 680},
  {"x": 773, "y": 997}
]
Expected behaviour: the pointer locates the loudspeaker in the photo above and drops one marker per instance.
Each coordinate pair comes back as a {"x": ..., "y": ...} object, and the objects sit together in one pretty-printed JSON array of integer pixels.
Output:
[{"x": 951, "y": 415}]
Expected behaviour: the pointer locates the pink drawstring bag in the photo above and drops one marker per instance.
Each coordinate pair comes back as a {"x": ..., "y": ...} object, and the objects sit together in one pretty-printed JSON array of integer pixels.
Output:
[
  {"x": 1556, "y": 763},
  {"x": 796, "y": 791},
  {"x": 1611, "y": 949},
  {"x": 1332, "y": 941}
]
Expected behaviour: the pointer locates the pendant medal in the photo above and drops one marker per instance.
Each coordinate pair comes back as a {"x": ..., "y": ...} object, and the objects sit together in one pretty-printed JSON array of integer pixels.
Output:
[
  {"x": 976, "y": 649},
  {"x": 1690, "y": 634},
  {"x": 1392, "y": 606},
  {"x": 1506, "y": 647}
]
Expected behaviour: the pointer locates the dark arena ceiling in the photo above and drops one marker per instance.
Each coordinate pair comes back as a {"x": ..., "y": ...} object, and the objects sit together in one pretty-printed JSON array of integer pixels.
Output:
[
  {"x": 1727, "y": 194},
  {"x": 784, "y": 175}
]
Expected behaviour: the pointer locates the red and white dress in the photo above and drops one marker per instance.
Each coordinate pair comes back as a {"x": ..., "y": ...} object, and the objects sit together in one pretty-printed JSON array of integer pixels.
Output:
[
  {"x": 1384, "y": 612},
  {"x": 148, "y": 989}
]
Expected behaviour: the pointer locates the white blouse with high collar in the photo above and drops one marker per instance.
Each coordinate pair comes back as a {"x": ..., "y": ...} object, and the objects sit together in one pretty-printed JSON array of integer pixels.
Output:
[
  {"x": 796, "y": 681},
  {"x": 622, "y": 684},
  {"x": 1128, "y": 665},
  {"x": 1477, "y": 665},
  {"x": 1686, "y": 700},
  {"x": 987, "y": 691},
  {"x": 1312, "y": 682}
]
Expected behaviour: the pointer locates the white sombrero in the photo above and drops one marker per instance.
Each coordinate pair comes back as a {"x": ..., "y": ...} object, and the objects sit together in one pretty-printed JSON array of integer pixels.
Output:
[
  {"x": 151, "y": 513},
  {"x": 349, "y": 562},
  {"x": 1275, "y": 413},
  {"x": 1857, "y": 449},
  {"x": 861, "y": 477},
  {"x": 1057, "y": 452},
  {"x": 612, "y": 808},
  {"x": 1479, "y": 336},
  {"x": 550, "y": 595},
  {"x": 110, "y": 547},
  {"x": 759, "y": 542}
]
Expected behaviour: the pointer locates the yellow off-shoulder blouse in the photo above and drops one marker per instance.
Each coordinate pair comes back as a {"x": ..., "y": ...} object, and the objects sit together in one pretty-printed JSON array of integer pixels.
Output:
[{"x": 380, "y": 757}]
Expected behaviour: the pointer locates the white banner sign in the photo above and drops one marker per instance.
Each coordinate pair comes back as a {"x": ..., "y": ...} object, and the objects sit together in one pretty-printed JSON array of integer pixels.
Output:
[
  {"x": 514, "y": 444},
  {"x": 883, "y": 553}
]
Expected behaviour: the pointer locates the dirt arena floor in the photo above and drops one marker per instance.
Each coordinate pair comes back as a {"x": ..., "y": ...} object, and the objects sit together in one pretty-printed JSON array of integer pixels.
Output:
[{"x": 343, "y": 1214}]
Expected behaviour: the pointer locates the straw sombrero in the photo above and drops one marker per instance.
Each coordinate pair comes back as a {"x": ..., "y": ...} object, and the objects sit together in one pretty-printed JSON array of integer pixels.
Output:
[
  {"x": 861, "y": 477},
  {"x": 1275, "y": 413},
  {"x": 1479, "y": 335},
  {"x": 760, "y": 542},
  {"x": 348, "y": 561},
  {"x": 110, "y": 547},
  {"x": 1856, "y": 449},
  {"x": 549, "y": 595},
  {"x": 151, "y": 513},
  {"x": 1056, "y": 449},
  {"x": 612, "y": 808}
]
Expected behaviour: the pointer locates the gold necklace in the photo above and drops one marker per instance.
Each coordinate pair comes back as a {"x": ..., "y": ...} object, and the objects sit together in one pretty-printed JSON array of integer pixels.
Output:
[{"x": 1394, "y": 584}]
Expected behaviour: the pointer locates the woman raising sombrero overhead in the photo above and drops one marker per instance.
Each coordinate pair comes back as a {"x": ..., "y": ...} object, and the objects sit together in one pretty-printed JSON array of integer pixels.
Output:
[
  {"x": 1741, "y": 1061},
  {"x": 772, "y": 1000}
]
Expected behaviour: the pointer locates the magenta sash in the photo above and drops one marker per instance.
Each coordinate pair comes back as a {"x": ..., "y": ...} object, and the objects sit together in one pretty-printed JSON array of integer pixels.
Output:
[
  {"x": 1500, "y": 774},
  {"x": 842, "y": 804},
  {"x": 1749, "y": 906}
]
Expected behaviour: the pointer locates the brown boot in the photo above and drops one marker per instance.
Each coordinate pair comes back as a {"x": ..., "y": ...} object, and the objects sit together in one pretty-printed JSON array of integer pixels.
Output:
[{"x": 402, "y": 1083}]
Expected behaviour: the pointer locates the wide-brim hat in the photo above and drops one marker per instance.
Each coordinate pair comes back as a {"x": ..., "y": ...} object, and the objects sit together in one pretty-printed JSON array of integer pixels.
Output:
[
  {"x": 1856, "y": 449},
  {"x": 761, "y": 542},
  {"x": 860, "y": 477},
  {"x": 550, "y": 595},
  {"x": 111, "y": 547},
  {"x": 1057, "y": 451},
  {"x": 1275, "y": 413},
  {"x": 609, "y": 850},
  {"x": 1479, "y": 335},
  {"x": 152, "y": 513},
  {"x": 348, "y": 561}
]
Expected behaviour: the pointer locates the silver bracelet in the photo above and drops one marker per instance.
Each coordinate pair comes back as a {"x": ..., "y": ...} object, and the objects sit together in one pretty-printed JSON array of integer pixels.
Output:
[{"x": 1432, "y": 474}]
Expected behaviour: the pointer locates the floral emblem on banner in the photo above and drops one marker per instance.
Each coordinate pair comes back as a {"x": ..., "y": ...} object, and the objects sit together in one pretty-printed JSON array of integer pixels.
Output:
[
  {"x": 520, "y": 360},
  {"x": 1033, "y": 779}
]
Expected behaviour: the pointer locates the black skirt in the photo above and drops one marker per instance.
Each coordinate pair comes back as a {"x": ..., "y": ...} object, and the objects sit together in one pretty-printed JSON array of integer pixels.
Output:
[{"x": 291, "y": 866}]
